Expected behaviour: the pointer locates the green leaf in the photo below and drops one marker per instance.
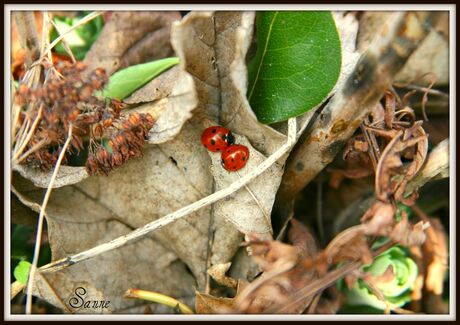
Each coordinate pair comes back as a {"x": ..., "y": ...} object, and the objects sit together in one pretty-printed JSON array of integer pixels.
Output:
[
  {"x": 296, "y": 65},
  {"x": 124, "y": 82},
  {"x": 21, "y": 271}
]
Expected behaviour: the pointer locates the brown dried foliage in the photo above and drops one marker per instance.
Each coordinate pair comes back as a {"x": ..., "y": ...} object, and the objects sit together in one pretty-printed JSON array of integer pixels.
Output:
[{"x": 66, "y": 99}]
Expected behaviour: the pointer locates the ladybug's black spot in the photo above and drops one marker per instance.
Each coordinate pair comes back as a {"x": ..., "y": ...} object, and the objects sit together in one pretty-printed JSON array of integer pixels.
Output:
[
  {"x": 224, "y": 137},
  {"x": 218, "y": 149},
  {"x": 233, "y": 160},
  {"x": 234, "y": 167},
  {"x": 244, "y": 158},
  {"x": 213, "y": 142},
  {"x": 230, "y": 138},
  {"x": 213, "y": 130}
]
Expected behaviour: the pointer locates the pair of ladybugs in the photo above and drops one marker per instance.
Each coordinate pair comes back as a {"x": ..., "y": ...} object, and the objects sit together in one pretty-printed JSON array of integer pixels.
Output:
[{"x": 217, "y": 138}]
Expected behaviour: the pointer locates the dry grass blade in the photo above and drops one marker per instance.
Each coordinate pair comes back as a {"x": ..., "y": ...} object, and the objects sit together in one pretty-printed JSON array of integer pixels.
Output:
[
  {"x": 41, "y": 217},
  {"x": 23, "y": 142}
]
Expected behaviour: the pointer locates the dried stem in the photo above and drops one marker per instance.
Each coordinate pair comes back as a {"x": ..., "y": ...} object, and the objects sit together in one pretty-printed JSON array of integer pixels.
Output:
[
  {"x": 41, "y": 216},
  {"x": 23, "y": 143},
  {"x": 158, "y": 298},
  {"x": 181, "y": 213}
]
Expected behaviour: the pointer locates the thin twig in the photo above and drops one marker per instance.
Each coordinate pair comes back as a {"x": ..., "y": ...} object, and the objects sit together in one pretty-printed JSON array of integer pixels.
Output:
[
  {"x": 183, "y": 212},
  {"x": 41, "y": 216}
]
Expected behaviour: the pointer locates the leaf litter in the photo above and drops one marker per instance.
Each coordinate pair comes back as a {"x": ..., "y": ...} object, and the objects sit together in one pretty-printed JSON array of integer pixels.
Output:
[{"x": 213, "y": 91}]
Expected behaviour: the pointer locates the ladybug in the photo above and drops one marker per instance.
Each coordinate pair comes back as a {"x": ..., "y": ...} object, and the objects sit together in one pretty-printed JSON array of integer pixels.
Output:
[
  {"x": 235, "y": 157},
  {"x": 217, "y": 138}
]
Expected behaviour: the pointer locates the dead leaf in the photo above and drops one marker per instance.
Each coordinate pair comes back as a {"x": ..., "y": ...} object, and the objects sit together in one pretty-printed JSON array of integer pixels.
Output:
[
  {"x": 217, "y": 272},
  {"x": 160, "y": 87},
  {"x": 303, "y": 239},
  {"x": 76, "y": 221},
  {"x": 241, "y": 208},
  {"x": 67, "y": 175},
  {"x": 378, "y": 219},
  {"x": 208, "y": 304},
  {"x": 435, "y": 252},
  {"x": 132, "y": 37}
]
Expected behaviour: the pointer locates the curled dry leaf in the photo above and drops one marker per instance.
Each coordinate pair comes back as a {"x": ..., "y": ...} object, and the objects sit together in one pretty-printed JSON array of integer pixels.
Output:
[
  {"x": 392, "y": 175},
  {"x": 407, "y": 234},
  {"x": 208, "y": 304},
  {"x": 378, "y": 219},
  {"x": 217, "y": 272},
  {"x": 283, "y": 274},
  {"x": 67, "y": 175},
  {"x": 132, "y": 37}
]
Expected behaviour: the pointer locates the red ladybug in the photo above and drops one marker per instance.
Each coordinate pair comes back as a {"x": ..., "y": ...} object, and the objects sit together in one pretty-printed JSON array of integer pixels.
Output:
[
  {"x": 235, "y": 157},
  {"x": 217, "y": 138}
]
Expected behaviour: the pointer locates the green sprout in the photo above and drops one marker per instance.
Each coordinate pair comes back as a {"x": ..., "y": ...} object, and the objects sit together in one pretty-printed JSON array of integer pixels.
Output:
[{"x": 393, "y": 273}]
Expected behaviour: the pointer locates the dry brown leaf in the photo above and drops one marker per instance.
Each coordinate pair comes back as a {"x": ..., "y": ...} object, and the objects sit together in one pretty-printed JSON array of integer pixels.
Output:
[
  {"x": 76, "y": 221},
  {"x": 392, "y": 175},
  {"x": 302, "y": 239},
  {"x": 217, "y": 272},
  {"x": 283, "y": 275},
  {"x": 208, "y": 304},
  {"x": 378, "y": 219},
  {"x": 67, "y": 175},
  {"x": 132, "y": 37},
  {"x": 435, "y": 253},
  {"x": 160, "y": 87}
]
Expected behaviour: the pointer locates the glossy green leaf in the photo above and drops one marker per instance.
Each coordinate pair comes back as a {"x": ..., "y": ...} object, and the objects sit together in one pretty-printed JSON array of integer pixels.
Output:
[
  {"x": 21, "y": 271},
  {"x": 124, "y": 82},
  {"x": 296, "y": 65}
]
